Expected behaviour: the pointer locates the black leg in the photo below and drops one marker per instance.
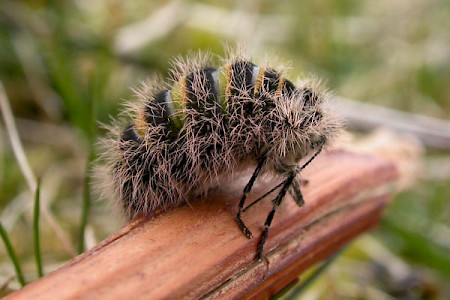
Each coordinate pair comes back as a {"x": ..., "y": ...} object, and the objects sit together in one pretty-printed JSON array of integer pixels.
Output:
[
  {"x": 263, "y": 196},
  {"x": 311, "y": 159},
  {"x": 276, "y": 203},
  {"x": 288, "y": 183},
  {"x": 295, "y": 190},
  {"x": 303, "y": 182},
  {"x": 296, "y": 193},
  {"x": 247, "y": 189}
]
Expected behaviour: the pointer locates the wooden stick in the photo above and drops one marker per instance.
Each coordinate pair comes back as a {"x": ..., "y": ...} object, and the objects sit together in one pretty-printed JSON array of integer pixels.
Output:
[{"x": 198, "y": 251}]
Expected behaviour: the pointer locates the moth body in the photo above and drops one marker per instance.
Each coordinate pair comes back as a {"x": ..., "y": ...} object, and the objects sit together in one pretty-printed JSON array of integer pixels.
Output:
[{"x": 209, "y": 122}]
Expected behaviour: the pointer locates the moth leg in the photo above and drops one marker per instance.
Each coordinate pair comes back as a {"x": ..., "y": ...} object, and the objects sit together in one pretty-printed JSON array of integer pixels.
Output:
[
  {"x": 296, "y": 192},
  {"x": 288, "y": 183},
  {"x": 277, "y": 201},
  {"x": 264, "y": 196},
  {"x": 310, "y": 159},
  {"x": 303, "y": 182},
  {"x": 246, "y": 191}
]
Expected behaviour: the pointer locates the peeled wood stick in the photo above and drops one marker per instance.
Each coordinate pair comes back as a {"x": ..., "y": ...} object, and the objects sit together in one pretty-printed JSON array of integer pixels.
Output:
[{"x": 198, "y": 251}]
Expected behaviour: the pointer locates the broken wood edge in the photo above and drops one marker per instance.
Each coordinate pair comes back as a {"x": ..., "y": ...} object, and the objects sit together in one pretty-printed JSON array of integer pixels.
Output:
[
  {"x": 347, "y": 205},
  {"x": 285, "y": 265}
]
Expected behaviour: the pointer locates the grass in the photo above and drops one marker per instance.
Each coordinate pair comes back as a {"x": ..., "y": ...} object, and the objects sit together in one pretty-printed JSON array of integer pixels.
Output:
[
  {"x": 36, "y": 239},
  {"x": 62, "y": 69},
  {"x": 12, "y": 255},
  {"x": 87, "y": 178}
]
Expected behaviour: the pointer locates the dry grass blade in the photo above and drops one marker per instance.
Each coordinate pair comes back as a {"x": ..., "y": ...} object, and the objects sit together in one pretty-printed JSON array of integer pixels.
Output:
[
  {"x": 26, "y": 169},
  {"x": 432, "y": 132},
  {"x": 11, "y": 128}
]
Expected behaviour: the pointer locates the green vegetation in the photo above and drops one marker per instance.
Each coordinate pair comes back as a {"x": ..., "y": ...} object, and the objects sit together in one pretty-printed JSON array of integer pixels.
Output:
[
  {"x": 67, "y": 66},
  {"x": 36, "y": 239},
  {"x": 12, "y": 255}
]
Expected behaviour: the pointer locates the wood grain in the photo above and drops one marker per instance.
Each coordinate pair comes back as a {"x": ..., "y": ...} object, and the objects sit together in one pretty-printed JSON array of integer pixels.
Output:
[{"x": 197, "y": 250}]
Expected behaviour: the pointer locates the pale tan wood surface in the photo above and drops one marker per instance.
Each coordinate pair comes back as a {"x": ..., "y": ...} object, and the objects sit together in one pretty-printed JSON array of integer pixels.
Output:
[{"x": 198, "y": 251}]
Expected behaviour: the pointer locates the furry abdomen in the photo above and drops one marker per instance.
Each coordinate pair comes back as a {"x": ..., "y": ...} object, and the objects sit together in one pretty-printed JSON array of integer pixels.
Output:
[{"x": 207, "y": 123}]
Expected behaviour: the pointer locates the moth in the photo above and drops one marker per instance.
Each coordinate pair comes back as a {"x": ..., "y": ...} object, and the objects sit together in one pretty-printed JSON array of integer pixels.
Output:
[{"x": 206, "y": 122}]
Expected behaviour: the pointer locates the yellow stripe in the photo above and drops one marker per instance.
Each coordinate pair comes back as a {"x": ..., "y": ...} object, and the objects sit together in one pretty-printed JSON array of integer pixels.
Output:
[
  {"x": 178, "y": 97},
  {"x": 228, "y": 81},
  {"x": 259, "y": 80},
  {"x": 178, "y": 94},
  {"x": 280, "y": 86},
  {"x": 183, "y": 90},
  {"x": 140, "y": 123},
  {"x": 224, "y": 87}
]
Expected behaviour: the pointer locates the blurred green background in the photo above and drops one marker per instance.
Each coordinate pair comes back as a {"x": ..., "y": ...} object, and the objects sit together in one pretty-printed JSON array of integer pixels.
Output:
[{"x": 68, "y": 65}]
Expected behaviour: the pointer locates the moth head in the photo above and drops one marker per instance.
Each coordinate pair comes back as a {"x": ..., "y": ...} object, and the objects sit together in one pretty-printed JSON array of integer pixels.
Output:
[{"x": 297, "y": 124}]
